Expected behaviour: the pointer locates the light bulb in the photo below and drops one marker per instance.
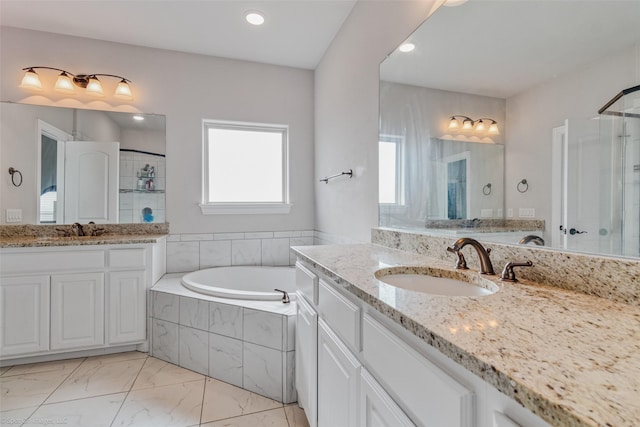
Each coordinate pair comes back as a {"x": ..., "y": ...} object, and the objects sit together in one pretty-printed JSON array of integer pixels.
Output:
[
  {"x": 123, "y": 90},
  {"x": 493, "y": 129},
  {"x": 31, "y": 80},
  {"x": 453, "y": 123},
  {"x": 94, "y": 87},
  {"x": 64, "y": 84}
]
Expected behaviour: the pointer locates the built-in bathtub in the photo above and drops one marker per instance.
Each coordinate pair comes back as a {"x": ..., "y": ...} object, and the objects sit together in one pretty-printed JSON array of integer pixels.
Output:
[
  {"x": 245, "y": 342},
  {"x": 248, "y": 283}
]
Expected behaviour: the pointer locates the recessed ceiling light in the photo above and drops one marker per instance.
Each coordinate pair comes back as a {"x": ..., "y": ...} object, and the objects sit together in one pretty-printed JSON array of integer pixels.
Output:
[
  {"x": 406, "y": 47},
  {"x": 254, "y": 17},
  {"x": 138, "y": 118}
]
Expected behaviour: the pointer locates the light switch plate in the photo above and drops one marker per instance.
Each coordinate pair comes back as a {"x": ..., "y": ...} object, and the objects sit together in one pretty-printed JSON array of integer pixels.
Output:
[
  {"x": 14, "y": 215},
  {"x": 527, "y": 212},
  {"x": 486, "y": 213}
]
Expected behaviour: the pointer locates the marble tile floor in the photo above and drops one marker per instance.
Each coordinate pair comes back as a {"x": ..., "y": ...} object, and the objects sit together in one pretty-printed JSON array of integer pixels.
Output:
[{"x": 131, "y": 389}]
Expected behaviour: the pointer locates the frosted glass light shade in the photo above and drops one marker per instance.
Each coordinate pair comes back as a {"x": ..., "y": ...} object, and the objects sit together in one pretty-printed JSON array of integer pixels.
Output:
[
  {"x": 480, "y": 127},
  {"x": 453, "y": 123},
  {"x": 493, "y": 129},
  {"x": 123, "y": 90},
  {"x": 31, "y": 80},
  {"x": 94, "y": 87},
  {"x": 64, "y": 83},
  {"x": 467, "y": 124}
]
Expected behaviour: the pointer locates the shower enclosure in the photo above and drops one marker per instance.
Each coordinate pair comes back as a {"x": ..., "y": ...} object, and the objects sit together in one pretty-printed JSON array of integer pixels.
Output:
[
  {"x": 601, "y": 179},
  {"x": 620, "y": 130}
]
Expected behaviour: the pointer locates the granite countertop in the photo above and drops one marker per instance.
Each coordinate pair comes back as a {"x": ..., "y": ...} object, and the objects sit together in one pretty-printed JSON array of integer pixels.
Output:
[
  {"x": 107, "y": 239},
  {"x": 573, "y": 359}
]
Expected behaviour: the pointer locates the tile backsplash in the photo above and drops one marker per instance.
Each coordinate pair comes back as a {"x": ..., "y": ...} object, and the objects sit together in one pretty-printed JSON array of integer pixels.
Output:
[
  {"x": 617, "y": 279},
  {"x": 190, "y": 252}
]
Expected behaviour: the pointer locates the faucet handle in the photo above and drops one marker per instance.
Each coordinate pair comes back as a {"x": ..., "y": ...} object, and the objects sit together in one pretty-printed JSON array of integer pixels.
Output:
[
  {"x": 507, "y": 273},
  {"x": 461, "y": 263}
]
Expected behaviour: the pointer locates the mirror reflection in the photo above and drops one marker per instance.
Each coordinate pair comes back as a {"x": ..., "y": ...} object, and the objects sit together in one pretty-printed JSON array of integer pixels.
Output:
[
  {"x": 100, "y": 166},
  {"x": 544, "y": 76},
  {"x": 440, "y": 176}
]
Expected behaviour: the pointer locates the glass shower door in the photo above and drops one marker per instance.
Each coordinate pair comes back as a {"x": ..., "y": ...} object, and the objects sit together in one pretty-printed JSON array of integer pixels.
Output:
[{"x": 620, "y": 129}]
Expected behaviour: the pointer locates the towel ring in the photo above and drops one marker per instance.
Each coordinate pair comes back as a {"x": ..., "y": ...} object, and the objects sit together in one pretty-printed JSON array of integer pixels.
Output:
[
  {"x": 13, "y": 171},
  {"x": 523, "y": 186},
  {"x": 486, "y": 190}
]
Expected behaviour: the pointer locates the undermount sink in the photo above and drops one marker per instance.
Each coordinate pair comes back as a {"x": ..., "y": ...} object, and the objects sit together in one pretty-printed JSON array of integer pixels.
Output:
[{"x": 431, "y": 281}]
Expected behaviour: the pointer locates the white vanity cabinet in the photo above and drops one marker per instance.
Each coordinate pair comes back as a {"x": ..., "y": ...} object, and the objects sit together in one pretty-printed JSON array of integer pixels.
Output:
[
  {"x": 77, "y": 311},
  {"x": 369, "y": 371},
  {"x": 24, "y": 315},
  {"x": 307, "y": 358},
  {"x": 338, "y": 380},
  {"x": 74, "y": 298}
]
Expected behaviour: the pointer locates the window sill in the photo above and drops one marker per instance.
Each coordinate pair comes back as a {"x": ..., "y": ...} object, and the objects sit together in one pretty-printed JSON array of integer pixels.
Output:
[{"x": 245, "y": 208}]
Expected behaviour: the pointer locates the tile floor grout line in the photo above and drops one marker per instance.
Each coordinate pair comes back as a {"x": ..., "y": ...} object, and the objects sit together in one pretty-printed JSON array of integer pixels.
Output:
[
  {"x": 54, "y": 390},
  {"x": 63, "y": 381},
  {"x": 129, "y": 391},
  {"x": 204, "y": 392}
]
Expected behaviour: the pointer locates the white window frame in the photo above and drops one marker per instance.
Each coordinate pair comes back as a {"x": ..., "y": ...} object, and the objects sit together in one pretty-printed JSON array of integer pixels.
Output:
[
  {"x": 229, "y": 208},
  {"x": 400, "y": 166}
]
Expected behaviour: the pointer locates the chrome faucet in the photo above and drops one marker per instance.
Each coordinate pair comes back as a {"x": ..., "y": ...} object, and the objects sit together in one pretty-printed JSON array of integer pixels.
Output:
[{"x": 483, "y": 254}]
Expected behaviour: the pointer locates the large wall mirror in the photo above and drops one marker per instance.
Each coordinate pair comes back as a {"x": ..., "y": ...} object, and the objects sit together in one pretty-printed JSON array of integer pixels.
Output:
[
  {"x": 544, "y": 73},
  {"x": 83, "y": 165}
]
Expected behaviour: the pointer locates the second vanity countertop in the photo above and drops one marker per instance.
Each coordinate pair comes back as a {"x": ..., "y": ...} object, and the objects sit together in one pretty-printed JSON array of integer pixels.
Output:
[
  {"x": 107, "y": 239},
  {"x": 572, "y": 359}
]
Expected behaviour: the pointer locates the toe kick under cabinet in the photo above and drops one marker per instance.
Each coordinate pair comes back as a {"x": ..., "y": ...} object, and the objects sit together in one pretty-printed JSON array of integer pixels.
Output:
[
  {"x": 55, "y": 300},
  {"x": 355, "y": 367}
]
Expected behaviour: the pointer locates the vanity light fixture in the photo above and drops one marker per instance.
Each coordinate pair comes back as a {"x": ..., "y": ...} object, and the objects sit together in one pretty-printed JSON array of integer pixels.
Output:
[
  {"x": 479, "y": 125},
  {"x": 67, "y": 82},
  {"x": 467, "y": 123}
]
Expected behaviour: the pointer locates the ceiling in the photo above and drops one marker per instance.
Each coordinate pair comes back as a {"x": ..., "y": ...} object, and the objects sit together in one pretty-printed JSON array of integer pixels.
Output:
[
  {"x": 296, "y": 32},
  {"x": 500, "y": 48}
]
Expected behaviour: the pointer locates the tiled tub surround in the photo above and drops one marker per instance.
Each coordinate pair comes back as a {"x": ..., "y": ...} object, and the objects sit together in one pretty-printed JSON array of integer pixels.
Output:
[
  {"x": 617, "y": 279},
  {"x": 190, "y": 252},
  {"x": 573, "y": 359},
  {"x": 249, "y": 344}
]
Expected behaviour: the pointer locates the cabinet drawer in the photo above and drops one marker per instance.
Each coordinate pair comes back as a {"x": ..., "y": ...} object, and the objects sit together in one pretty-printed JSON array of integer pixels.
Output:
[
  {"x": 51, "y": 261},
  {"x": 127, "y": 258},
  {"x": 432, "y": 396},
  {"x": 307, "y": 283},
  {"x": 341, "y": 314}
]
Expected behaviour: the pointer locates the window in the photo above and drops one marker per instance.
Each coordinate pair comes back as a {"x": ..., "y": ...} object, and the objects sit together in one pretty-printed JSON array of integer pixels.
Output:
[
  {"x": 390, "y": 188},
  {"x": 245, "y": 168}
]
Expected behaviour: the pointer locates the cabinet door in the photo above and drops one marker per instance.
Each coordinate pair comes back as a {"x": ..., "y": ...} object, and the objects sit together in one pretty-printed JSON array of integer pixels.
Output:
[
  {"x": 24, "y": 315},
  {"x": 127, "y": 307},
  {"x": 77, "y": 310},
  {"x": 377, "y": 409},
  {"x": 307, "y": 359},
  {"x": 338, "y": 378}
]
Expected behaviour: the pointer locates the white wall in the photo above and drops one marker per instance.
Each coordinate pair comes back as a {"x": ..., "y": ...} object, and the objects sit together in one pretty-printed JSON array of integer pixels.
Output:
[
  {"x": 185, "y": 88},
  {"x": 346, "y": 113},
  {"x": 533, "y": 114}
]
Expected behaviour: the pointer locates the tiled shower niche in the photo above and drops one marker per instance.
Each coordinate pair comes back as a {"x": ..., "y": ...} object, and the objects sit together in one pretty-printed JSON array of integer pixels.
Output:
[{"x": 142, "y": 187}]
